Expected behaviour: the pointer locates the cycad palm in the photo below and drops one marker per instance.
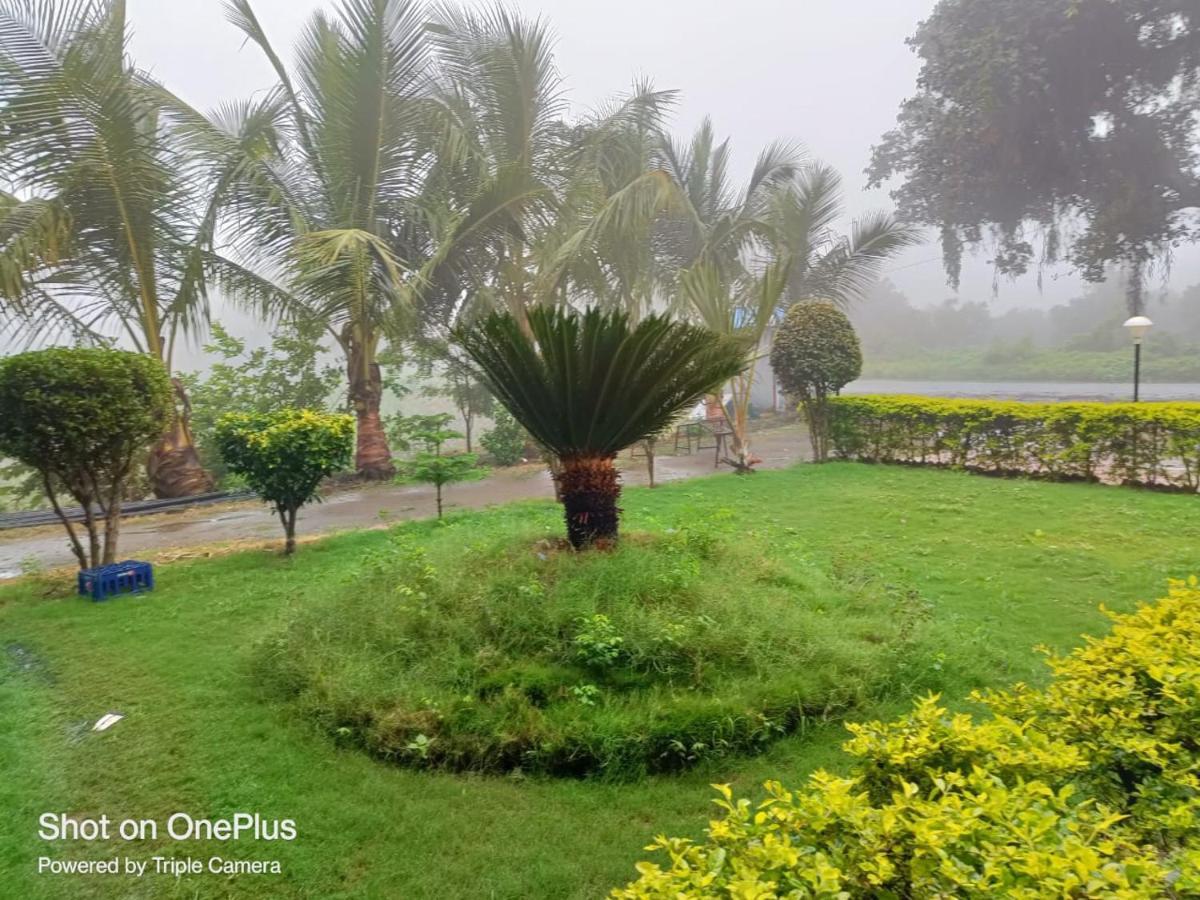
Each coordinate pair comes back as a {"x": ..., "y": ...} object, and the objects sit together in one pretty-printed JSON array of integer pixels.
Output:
[
  {"x": 587, "y": 385},
  {"x": 103, "y": 234}
]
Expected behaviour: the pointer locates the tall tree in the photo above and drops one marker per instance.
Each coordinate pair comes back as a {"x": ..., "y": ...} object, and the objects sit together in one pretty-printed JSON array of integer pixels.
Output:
[
  {"x": 577, "y": 195},
  {"x": 318, "y": 183},
  {"x": 1053, "y": 129},
  {"x": 103, "y": 232},
  {"x": 359, "y": 183},
  {"x": 746, "y": 254}
]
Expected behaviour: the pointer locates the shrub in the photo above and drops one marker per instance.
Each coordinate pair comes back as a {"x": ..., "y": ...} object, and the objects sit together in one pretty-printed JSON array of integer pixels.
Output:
[
  {"x": 81, "y": 417},
  {"x": 506, "y": 440},
  {"x": 1147, "y": 444},
  {"x": 286, "y": 375},
  {"x": 816, "y": 353},
  {"x": 1087, "y": 788},
  {"x": 284, "y": 455},
  {"x": 432, "y": 466},
  {"x": 409, "y": 433}
]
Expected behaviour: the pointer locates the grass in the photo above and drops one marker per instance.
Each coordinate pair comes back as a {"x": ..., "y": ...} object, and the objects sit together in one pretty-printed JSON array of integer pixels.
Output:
[
  {"x": 498, "y": 650},
  {"x": 999, "y": 566},
  {"x": 1058, "y": 364}
]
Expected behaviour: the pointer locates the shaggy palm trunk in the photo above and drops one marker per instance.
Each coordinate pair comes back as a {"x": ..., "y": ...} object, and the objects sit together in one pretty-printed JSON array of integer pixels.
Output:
[
  {"x": 174, "y": 465},
  {"x": 589, "y": 488},
  {"x": 372, "y": 455}
]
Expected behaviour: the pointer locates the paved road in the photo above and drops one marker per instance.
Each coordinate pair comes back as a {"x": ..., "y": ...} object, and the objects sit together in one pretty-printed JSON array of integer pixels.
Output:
[{"x": 359, "y": 507}]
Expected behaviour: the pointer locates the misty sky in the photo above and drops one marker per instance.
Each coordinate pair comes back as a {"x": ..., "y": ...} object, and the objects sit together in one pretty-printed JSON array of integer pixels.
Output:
[{"x": 828, "y": 73}]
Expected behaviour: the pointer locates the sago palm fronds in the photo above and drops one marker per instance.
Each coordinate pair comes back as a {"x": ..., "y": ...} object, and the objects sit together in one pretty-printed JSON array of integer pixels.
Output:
[{"x": 587, "y": 385}]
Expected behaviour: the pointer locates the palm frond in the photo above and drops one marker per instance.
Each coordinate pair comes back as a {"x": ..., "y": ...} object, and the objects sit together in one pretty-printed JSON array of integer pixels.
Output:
[{"x": 847, "y": 271}]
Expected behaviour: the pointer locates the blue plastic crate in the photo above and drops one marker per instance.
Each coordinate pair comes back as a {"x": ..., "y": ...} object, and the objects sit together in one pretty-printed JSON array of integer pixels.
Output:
[{"x": 128, "y": 577}]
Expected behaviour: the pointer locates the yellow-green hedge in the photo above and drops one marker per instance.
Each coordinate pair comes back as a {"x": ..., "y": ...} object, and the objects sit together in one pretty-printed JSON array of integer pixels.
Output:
[
  {"x": 1148, "y": 444},
  {"x": 1087, "y": 788}
]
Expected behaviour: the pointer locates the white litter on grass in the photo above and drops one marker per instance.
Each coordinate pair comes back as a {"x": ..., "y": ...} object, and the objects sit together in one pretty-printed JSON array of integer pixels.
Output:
[{"x": 107, "y": 721}]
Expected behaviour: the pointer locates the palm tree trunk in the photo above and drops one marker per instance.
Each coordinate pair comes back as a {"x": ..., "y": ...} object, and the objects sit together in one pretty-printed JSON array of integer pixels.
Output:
[
  {"x": 174, "y": 465},
  {"x": 372, "y": 455},
  {"x": 590, "y": 487}
]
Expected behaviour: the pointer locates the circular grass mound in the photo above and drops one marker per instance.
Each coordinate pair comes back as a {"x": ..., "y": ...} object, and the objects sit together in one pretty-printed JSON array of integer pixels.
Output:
[{"x": 504, "y": 653}]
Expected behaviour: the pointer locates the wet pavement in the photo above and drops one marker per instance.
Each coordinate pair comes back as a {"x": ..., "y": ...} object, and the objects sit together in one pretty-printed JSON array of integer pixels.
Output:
[{"x": 362, "y": 507}]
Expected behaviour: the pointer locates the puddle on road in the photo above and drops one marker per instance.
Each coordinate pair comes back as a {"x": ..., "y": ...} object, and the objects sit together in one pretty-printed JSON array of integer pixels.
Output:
[
  {"x": 229, "y": 517},
  {"x": 347, "y": 497}
]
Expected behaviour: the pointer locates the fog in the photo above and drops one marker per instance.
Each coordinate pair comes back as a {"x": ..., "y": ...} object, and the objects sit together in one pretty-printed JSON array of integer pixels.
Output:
[{"x": 826, "y": 73}]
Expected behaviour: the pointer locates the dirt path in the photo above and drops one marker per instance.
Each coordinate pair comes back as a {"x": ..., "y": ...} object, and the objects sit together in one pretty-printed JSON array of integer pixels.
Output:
[{"x": 360, "y": 507}]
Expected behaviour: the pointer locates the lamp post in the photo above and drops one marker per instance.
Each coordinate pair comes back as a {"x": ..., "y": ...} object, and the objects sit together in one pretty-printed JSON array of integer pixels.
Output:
[{"x": 1138, "y": 326}]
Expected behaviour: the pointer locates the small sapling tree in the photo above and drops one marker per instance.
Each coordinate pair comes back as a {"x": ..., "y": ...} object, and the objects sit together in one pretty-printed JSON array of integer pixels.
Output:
[
  {"x": 816, "y": 353},
  {"x": 434, "y": 467},
  {"x": 284, "y": 455},
  {"x": 80, "y": 417},
  {"x": 409, "y": 433}
]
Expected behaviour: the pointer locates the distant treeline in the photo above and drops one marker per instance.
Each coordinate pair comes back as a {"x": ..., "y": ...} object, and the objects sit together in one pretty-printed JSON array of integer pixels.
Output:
[{"x": 1077, "y": 341}]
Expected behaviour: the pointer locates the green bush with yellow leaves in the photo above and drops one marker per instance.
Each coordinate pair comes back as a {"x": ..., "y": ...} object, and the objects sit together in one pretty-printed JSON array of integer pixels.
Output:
[
  {"x": 1144, "y": 444},
  {"x": 1089, "y": 787}
]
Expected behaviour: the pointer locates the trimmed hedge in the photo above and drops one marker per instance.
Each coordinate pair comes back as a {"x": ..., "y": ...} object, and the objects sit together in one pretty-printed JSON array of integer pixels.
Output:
[
  {"x": 1145, "y": 444},
  {"x": 1088, "y": 788}
]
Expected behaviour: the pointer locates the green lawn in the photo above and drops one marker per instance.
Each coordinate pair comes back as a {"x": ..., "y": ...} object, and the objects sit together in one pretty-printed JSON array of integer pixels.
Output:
[{"x": 999, "y": 566}]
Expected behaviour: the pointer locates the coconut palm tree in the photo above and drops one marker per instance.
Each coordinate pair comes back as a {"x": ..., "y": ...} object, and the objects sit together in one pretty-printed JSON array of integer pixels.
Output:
[
  {"x": 742, "y": 309},
  {"x": 501, "y": 110},
  {"x": 398, "y": 168},
  {"x": 319, "y": 182},
  {"x": 103, "y": 226},
  {"x": 576, "y": 190},
  {"x": 587, "y": 385}
]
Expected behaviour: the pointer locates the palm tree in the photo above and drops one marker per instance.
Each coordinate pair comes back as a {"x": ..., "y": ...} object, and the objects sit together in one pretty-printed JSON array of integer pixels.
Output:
[
  {"x": 745, "y": 256},
  {"x": 103, "y": 230},
  {"x": 743, "y": 309},
  {"x": 799, "y": 219},
  {"x": 576, "y": 195},
  {"x": 587, "y": 385},
  {"x": 504, "y": 152},
  {"x": 319, "y": 184}
]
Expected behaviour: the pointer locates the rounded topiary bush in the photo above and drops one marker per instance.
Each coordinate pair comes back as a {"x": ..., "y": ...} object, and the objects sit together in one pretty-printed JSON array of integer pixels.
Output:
[
  {"x": 816, "y": 353},
  {"x": 84, "y": 418},
  {"x": 505, "y": 652}
]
